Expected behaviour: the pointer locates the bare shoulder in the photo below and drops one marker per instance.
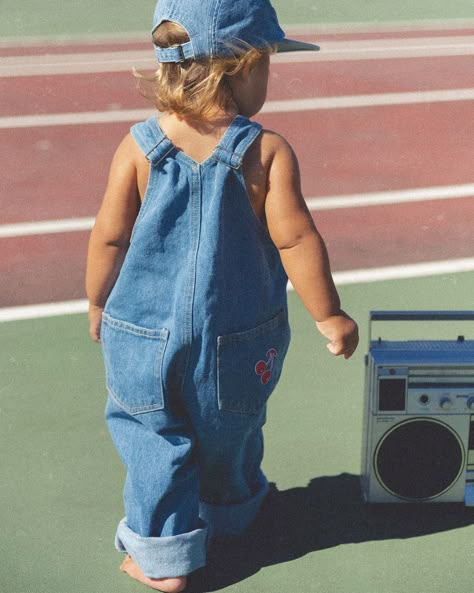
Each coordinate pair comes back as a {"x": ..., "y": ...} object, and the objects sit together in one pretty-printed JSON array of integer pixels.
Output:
[
  {"x": 275, "y": 144},
  {"x": 120, "y": 204},
  {"x": 129, "y": 162},
  {"x": 127, "y": 152},
  {"x": 256, "y": 167},
  {"x": 273, "y": 139},
  {"x": 285, "y": 208},
  {"x": 269, "y": 155},
  {"x": 270, "y": 168},
  {"x": 283, "y": 168},
  {"x": 267, "y": 146}
]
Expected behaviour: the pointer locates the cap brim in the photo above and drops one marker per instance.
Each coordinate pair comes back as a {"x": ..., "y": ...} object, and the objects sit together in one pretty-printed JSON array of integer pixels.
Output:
[{"x": 292, "y": 45}]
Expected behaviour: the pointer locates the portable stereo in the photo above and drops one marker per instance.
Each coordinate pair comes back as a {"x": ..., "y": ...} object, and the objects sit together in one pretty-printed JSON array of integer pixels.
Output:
[{"x": 418, "y": 432}]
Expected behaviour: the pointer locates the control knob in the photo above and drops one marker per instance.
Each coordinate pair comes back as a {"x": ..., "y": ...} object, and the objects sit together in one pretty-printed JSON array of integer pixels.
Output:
[{"x": 445, "y": 403}]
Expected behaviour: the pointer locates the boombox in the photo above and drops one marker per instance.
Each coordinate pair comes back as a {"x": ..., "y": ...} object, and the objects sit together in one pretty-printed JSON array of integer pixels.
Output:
[{"x": 418, "y": 433}]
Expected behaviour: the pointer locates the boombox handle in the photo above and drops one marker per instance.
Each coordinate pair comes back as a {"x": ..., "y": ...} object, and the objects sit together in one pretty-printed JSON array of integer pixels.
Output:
[{"x": 418, "y": 316}]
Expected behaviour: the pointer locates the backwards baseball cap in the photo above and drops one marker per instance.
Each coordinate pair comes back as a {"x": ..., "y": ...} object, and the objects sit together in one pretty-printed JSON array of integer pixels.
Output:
[{"x": 215, "y": 26}]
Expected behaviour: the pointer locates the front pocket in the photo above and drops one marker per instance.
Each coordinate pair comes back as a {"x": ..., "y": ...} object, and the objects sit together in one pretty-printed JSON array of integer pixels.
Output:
[
  {"x": 249, "y": 365},
  {"x": 133, "y": 357}
]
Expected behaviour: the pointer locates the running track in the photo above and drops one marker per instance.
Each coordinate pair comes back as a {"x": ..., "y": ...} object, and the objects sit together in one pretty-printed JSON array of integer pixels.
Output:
[{"x": 370, "y": 116}]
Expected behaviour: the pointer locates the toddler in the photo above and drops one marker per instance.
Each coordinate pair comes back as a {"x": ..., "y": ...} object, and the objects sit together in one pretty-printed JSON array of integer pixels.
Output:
[{"x": 202, "y": 223}]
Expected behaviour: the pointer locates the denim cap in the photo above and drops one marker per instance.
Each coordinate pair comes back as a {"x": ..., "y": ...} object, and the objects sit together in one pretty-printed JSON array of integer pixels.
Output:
[{"x": 215, "y": 26}]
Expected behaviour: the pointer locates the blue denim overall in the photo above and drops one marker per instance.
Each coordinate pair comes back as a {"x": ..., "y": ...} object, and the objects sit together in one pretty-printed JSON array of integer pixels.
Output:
[{"x": 194, "y": 335}]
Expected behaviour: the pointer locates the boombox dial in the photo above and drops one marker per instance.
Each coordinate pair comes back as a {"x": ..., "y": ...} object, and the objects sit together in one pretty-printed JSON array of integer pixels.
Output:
[{"x": 446, "y": 403}]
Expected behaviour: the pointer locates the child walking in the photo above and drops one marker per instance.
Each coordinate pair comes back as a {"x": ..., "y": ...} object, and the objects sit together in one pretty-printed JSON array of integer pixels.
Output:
[{"x": 202, "y": 223}]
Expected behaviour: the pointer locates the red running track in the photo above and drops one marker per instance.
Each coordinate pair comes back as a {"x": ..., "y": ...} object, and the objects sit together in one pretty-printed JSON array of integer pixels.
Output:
[
  {"x": 341, "y": 151},
  {"x": 48, "y": 268},
  {"x": 60, "y": 172},
  {"x": 100, "y": 92}
]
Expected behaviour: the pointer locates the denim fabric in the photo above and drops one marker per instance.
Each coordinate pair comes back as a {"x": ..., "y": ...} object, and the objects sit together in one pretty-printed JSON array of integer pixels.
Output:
[
  {"x": 218, "y": 27},
  {"x": 194, "y": 336}
]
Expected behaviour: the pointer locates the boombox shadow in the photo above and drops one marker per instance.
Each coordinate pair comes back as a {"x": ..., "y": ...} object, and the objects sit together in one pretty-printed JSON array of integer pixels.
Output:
[{"x": 326, "y": 513}]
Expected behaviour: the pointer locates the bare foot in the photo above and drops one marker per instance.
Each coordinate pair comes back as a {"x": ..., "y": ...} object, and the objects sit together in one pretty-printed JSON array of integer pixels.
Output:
[{"x": 167, "y": 585}]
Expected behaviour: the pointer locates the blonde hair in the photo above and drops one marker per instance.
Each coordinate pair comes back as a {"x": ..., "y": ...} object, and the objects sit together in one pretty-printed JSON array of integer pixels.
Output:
[{"x": 194, "y": 88}]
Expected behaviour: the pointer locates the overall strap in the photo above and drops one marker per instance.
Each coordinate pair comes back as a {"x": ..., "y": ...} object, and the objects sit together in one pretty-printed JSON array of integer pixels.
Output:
[
  {"x": 151, "y": 140},
  {"x": 236, "y": 141}
]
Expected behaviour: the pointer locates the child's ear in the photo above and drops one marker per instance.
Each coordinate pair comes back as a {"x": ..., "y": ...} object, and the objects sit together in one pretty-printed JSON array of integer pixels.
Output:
[{"x": 246, "y": 71}]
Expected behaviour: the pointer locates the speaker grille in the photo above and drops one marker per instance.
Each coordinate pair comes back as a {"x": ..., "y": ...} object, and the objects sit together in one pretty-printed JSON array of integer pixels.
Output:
[{"x": 419, "y": 459}]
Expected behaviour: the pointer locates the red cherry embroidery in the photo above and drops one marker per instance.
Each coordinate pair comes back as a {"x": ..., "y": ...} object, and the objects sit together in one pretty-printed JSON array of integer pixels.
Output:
[{"x": 264, "y": 368}]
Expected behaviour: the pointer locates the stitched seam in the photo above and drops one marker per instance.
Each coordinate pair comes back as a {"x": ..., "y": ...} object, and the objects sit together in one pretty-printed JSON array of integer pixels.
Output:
[
  {"x": 212, "y": 27},
  {"x": 153, "y": 334},
  {"x": 254, "y": 332},
  {"x": 134, "y": 410}
]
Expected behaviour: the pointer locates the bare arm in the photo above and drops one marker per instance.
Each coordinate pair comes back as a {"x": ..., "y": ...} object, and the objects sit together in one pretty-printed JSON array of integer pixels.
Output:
[
  {"x": 303, "y": 251},
  {"x": 110, "y": 237}
]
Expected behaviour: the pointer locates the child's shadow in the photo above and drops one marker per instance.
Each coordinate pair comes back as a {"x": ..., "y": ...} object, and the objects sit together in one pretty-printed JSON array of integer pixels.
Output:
[{"x": 326, "y": 513}]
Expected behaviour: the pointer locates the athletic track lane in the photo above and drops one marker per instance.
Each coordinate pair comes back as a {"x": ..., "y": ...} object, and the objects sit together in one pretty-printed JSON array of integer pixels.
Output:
[{"x": 342, "y": 151}]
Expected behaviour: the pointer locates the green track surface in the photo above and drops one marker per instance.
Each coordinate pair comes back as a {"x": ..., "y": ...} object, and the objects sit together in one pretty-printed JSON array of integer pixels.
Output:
[
  {"x": 52, "y": 17},
  {"x": 61, "y": 479}
]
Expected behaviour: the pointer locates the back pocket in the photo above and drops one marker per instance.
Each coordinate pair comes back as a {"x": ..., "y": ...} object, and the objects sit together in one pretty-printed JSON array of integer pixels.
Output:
[
  {"x": 249, "y": 365},
  {"x": 133, "y": 357}
]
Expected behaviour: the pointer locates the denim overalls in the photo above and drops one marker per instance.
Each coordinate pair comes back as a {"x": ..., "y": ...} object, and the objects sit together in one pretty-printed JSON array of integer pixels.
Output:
[{"x": 194, "y": 335}]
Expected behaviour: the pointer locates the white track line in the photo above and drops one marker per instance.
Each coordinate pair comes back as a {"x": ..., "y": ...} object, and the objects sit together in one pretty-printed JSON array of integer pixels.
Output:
[
  {"x": 75, "y": 119},
  {"x": 46, "y": 227},
  {"x": 287, "y": 106},
  {"x": 423, "y": 194},
  {"x": 43, "y": 310},
  {"x": 122, "y": 61},
  {"x": 420, "y": 194},
  {"x": 384, "y": 49},
  {"x": 418, "y": 270},
  {"x": 375, "y": 100},
  {"x": 370, "y": 275}
]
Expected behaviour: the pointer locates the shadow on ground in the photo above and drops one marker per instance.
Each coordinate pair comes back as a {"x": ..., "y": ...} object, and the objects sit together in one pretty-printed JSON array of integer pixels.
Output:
[{"x": 326, "y": 513}]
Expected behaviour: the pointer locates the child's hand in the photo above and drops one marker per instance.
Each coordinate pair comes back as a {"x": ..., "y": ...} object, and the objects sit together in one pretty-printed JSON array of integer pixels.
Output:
[
  {"x": 342, "y": 333},
  {"x": 95, "y": 320}
]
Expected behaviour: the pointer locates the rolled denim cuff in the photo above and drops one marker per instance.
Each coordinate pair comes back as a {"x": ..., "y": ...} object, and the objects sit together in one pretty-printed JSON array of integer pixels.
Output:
[
  {"x": 162, "y": 557},
  {"x": 232, "y": 519}
]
